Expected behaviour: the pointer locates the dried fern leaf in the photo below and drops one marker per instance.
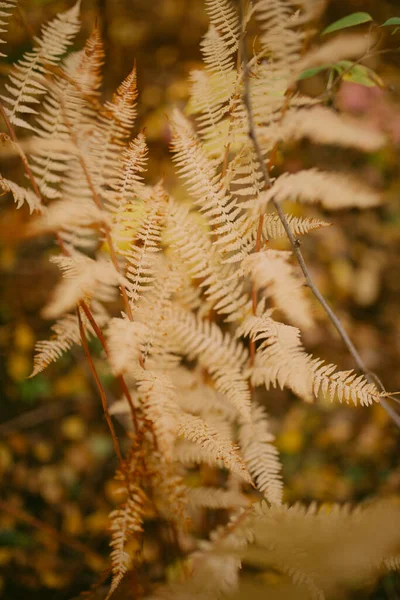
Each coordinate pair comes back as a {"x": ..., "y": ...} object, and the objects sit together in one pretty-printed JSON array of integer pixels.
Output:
[
  {"x": 350, "y": 46},
  {"x": 278, "y": 22},
  {"x": 158, "y": 398},
  {"x": 334, "y": 191},
  {"x": 223, "y": 16},
  {"x": 328, "y": 547},
  {"x": 261, "y": 455},
  {"x": 271, "y": 270},
  {"x": 65, "y": 334},
  {"x": 206, "y": 188},
  {"x": 196, "y": 430},
  {"x": 280, "y": 358},
  {"x": 273, "y": 227},
  {"x": 68, "y": 98},
  {"x": 192, "y": 246},
  {"x": 5, "y": 12},
  {"x": 83, "y": 277},
  {"x": 126, "y": 523},
  {"x": 125, "y": 339},
  {"x": 142, "y": 255},
  {"x": 216, "y": 498},
  {"x": 22, "y": 195},
  {"x": 219, "y": 353},
  {"x": 323, "y": 126},
  {"x": 110, "y": 137},
  {"x": 26, "y": 81},
  {"x": 343, "y": 386}
]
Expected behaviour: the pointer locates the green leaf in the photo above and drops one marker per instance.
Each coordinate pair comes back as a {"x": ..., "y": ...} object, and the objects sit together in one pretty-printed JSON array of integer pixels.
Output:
[
  {"x": 349, "y": 21},
  {"x": 314, "y": 71},
  {"x": 362, "y": 75},
  {"x": 391, "y": 21}
]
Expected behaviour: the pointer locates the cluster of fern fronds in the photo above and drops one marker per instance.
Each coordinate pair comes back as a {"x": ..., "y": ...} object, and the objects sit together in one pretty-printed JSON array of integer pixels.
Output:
[{"x": 209, "y": 309}]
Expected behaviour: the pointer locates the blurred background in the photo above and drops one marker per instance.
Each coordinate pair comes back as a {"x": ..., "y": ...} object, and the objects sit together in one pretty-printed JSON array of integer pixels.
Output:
[{"x": 56, "y": 457}]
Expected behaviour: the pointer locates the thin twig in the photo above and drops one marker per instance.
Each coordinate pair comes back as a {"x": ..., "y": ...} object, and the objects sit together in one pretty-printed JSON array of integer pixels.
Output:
[
  {"x": 296, "y": 244},
  {"x": 22, "y": 515},
  {"x": 99, "y": 387}
]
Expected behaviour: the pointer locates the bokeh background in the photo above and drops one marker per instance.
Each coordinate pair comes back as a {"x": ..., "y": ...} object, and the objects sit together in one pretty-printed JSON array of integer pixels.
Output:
[{"x": 56, "y": 457}]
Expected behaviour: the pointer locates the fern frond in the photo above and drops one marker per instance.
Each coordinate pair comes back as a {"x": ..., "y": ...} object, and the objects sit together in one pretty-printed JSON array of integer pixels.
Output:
[
  {"x": 343, "y": 386},
  {"x": 223, "y": 16},
  {"x": 196, "y": 430},
  {"x": 112, "y": 133},
  {"x": 278, "y": 23},
  {"x": 27, "y": 77},
  {"x": 273, "y": 227},
  {"x": 280, "y": 358},
  {"x": 67, "y": 99},
  {"x": 124, "y": 343},
  {"x": 271, "y": 270},
  {"x": 219, "y": 353},
  {"x": 323, "y": 126},
  {"x": 192, "y": 246},
  {"x": 83, "y": 277},
  {"x": 207, "y": 190},
  {"x": 65, "y": 334},
  {"x": 142, "y": 255},
  {"x": 130, "y": 181},
  {"x": 310, "y": 186},
  {"x": 216, "y": 498},
  {"x": 261, "y": 455},
  {"x": 350, "y": 46},
  {"x": 158, "y": 397},
  {"x": 126, "y": 523},
  {"x": 5, "y": 12},
  {"x": 22, "y": 195}
]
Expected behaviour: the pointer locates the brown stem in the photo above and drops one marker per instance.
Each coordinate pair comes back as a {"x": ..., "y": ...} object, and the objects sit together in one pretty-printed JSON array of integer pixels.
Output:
[
  {"x": 99, "y": 387},
  {"x": 22, "y": 515},
  {"x": 296, "y": 244},
  {"x": 254, "y": 288},
  {"x": 121, "y": 379}
]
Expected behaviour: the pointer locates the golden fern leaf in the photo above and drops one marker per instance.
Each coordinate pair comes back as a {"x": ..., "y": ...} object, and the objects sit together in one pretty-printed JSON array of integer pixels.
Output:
[
  {"x": 323, "y": 126},
  {"x": 126, "y": 523},
  {"x": 83, "y": 277},
  {"x": 129, "y": 184},
  {"x": 158, "y": 399},
  {"x": 22, "y": 195},
  {"x": 216, "y": 498},
  {"x": 219, "y": 353},
  {"x": 5, "y": 11},
  {"x": 328, "y": 547},
  {"x": 125, "y": 338},
  {"x": 343, "y": 386},
  {"x": 273, "y": 227},
  {"x": 278, "y": 22},
  {"x": 206, "y": 187},
  {"x": 223, "y": 16},
  {"x": 334, "y": 191},
  {"x": 113, "y": 130},
  {"x": 196, "y": 430},
  {"x": 270, "y": 270},
  {"x": 67, "y": 99},
  {"x": 27, "y": 76},
  {"x": 261, "y": 455},
  {"x": 191, "y": 245},
  {"x": 65, "y": 334},
  {"x": 280, "y": 358},
  {"x": 142, "y": 255}
]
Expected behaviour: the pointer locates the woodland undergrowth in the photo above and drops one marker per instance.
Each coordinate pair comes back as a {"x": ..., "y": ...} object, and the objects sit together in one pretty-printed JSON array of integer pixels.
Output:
[{"x": 209, "y": 307}]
